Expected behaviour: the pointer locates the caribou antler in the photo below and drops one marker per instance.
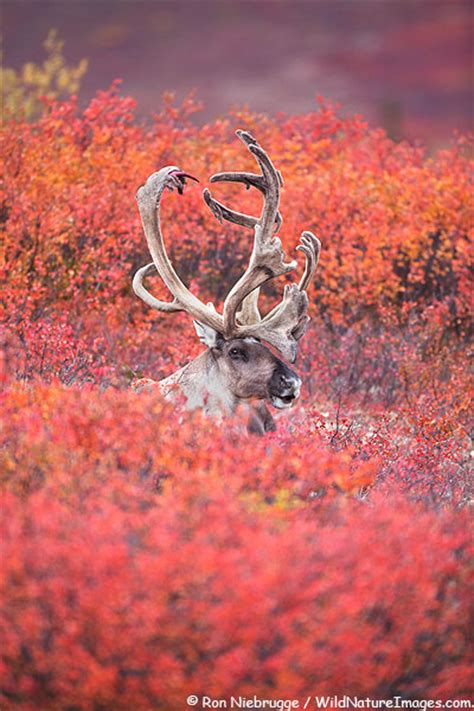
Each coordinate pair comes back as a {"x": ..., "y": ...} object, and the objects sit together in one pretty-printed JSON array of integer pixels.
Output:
[
  {"x": 148, "y": 198},
  {"x": 267, "y": 260},
  {"x": 286, "y": 323}
]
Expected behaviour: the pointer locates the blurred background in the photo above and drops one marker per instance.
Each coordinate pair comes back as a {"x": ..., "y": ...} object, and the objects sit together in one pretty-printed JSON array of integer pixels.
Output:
[{"x": 402, "y": 64}]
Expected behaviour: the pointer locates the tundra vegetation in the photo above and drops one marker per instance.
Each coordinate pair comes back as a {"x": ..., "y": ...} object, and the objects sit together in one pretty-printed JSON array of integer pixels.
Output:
[{"x": 149, "y": 553}]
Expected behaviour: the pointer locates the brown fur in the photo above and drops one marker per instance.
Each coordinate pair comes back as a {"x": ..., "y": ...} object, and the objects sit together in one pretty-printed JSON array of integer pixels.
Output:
[{"x": 231, "y": 374}]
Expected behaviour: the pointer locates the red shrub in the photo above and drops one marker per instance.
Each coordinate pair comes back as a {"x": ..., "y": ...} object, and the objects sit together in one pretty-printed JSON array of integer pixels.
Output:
[
  {"x": 137, "y": 604},
  {"x": 148, "y": 555}
]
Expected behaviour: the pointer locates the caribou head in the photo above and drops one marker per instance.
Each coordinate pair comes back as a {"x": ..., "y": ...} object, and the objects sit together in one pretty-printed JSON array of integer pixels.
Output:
[{"x": 239, "y": 366}]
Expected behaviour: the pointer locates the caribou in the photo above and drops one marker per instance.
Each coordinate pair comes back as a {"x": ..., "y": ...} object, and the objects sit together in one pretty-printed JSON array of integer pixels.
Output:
[{"x": 240, "y": 367}]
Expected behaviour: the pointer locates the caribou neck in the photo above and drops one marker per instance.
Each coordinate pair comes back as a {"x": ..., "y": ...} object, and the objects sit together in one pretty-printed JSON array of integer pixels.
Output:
[{"x": 203, "y": 386}]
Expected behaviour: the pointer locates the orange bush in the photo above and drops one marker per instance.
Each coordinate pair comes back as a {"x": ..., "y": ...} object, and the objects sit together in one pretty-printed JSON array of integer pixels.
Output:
[{"x": 394, "y": 223}]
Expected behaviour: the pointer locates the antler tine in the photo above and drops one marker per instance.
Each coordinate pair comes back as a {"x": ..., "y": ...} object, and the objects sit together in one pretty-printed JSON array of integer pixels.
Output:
[
  {"x": 311, "y": 248},
  {"x": 249, "y": 312},
  {"x": 272, "y": 181},
  {"x": 248, "y": 179},
  {"x": 148, "y": 199},
  {"x": 286, "y": 323},
  {"x": 149, "y": 299},
  {"x": 221, "y": 212},
  {"x": 267, "y": 259},
  {"x": 268, "y": 184},
  {"x": 246, "y": 291}
]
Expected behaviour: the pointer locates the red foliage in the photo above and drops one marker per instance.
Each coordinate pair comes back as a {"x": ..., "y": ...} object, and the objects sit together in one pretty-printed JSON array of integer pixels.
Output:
[
  {"x": 139, "y": 572},
  {"x": 148, "y": 554}
]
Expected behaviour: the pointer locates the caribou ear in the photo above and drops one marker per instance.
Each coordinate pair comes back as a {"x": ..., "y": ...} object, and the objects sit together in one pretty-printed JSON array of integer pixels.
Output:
[{"x": 208, "y": 335}]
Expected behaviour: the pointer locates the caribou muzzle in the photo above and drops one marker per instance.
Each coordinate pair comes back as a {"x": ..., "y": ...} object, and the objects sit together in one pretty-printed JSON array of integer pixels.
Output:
[{"x": 284, "y": 387}]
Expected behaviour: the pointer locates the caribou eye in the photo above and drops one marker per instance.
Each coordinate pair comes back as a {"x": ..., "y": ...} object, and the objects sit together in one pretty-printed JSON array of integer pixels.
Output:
[{"x": 238, "y": 354}]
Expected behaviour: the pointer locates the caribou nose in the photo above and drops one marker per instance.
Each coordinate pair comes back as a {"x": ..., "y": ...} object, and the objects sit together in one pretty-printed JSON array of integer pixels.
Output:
[
  {"x": 285, "y": 388},
  {"x": 296, "y": 386},
  {"x": 289, "y": 385},
  {"x": 286, "y": 382}
]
